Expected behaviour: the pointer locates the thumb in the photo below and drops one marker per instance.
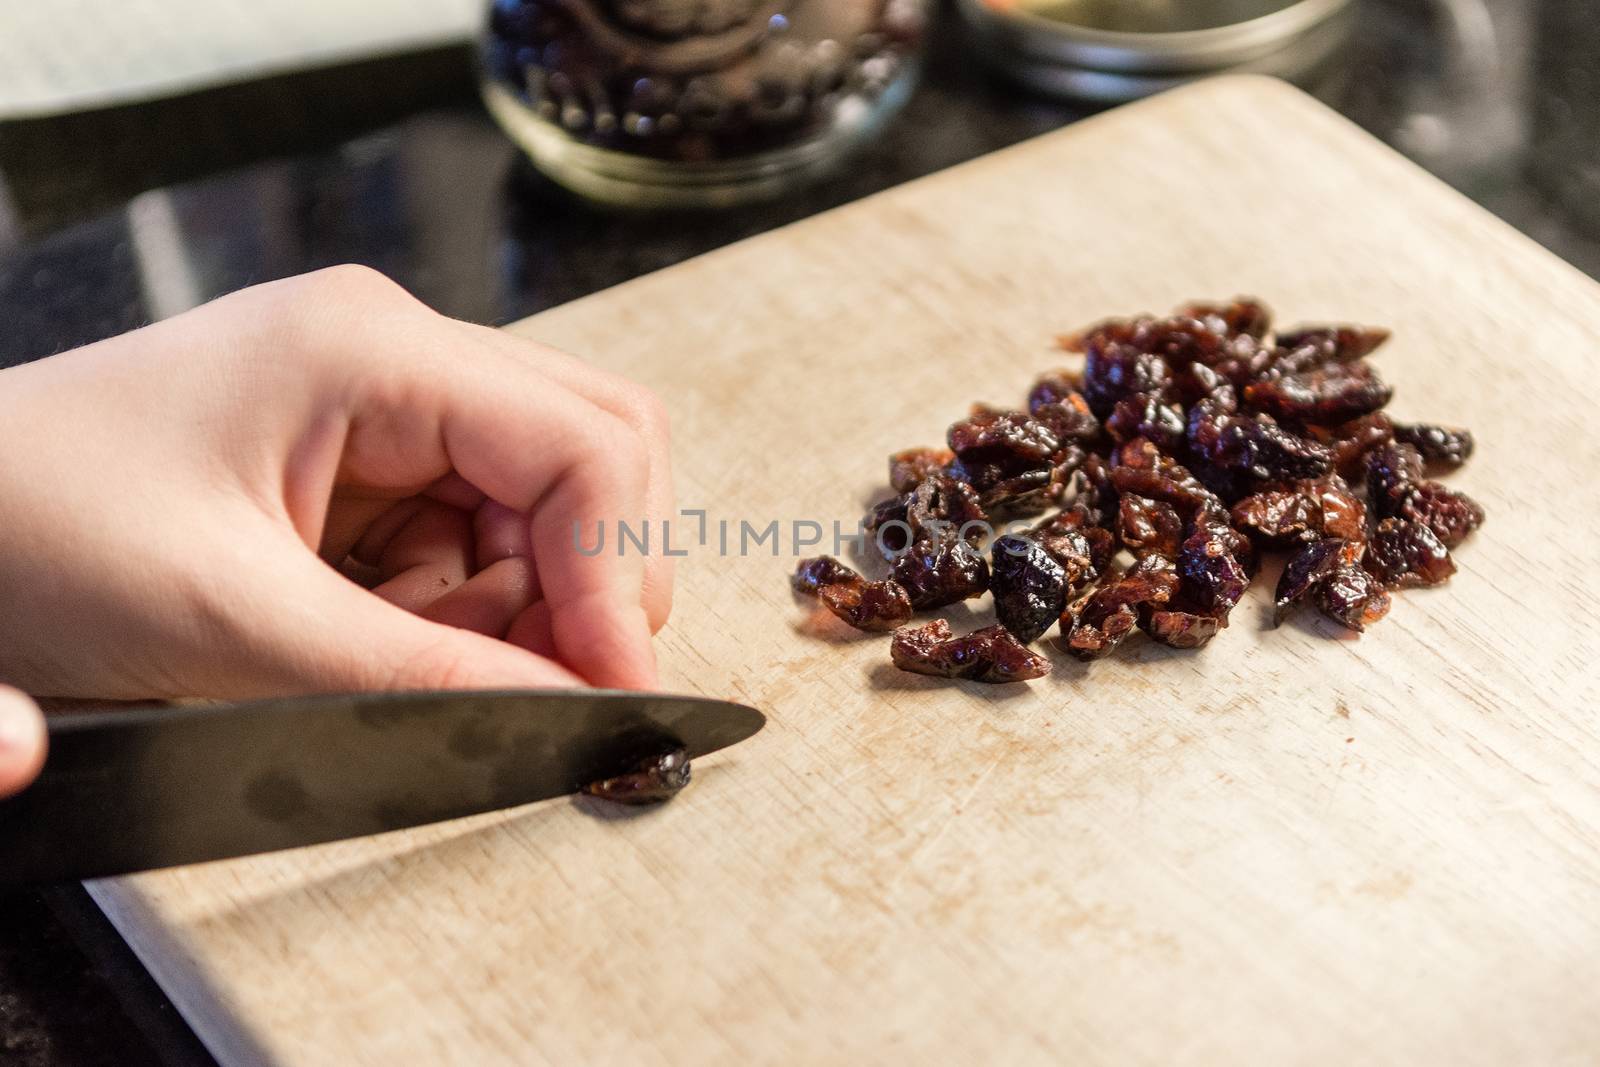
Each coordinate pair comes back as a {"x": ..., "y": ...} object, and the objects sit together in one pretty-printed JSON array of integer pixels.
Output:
[
  {"x": 332, "y": 635},
  {"x": 22, "y": 741}
]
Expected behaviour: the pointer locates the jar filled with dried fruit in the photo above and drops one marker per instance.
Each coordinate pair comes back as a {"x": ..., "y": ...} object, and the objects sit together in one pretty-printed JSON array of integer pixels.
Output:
[{"x": 678, "y": 103}]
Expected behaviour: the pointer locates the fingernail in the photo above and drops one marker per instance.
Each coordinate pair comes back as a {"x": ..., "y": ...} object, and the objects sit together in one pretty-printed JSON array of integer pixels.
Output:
[{"x": 18, "y": 730}]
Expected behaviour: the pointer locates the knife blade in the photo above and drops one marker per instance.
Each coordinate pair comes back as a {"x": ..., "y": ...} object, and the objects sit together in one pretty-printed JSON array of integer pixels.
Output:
[{"x": 125, "y": 791}]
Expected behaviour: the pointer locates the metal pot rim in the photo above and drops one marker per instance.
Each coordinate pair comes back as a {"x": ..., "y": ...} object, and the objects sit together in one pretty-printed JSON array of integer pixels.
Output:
[{"x": 1178, "y": 50}]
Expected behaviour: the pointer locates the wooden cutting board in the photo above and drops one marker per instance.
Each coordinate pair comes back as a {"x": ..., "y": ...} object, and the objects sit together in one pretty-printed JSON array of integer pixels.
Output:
[{"x": 1293, "y": 847}]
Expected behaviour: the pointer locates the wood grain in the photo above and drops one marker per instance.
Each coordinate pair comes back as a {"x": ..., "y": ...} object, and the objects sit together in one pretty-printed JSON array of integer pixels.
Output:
[{"x": 1296, "y": 847}]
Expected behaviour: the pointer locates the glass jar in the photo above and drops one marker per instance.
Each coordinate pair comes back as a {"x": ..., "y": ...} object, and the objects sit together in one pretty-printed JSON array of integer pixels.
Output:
[{"x": 676, "y": 103}]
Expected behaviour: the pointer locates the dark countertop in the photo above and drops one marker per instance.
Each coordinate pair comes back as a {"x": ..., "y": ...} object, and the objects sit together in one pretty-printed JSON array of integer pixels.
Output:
[{"x": 114, "y": 218}]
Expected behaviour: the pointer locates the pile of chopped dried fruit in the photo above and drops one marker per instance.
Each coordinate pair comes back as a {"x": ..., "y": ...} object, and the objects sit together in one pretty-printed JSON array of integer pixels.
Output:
[{"x": 1184, "y": 447}]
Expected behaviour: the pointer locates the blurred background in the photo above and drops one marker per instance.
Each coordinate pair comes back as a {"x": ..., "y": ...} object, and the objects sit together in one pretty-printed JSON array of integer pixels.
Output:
[{"x": 155, "y": 154}]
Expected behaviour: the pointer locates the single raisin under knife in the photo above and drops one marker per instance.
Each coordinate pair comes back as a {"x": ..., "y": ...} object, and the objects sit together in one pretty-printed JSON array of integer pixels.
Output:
[{"x": 652, "y": 781}]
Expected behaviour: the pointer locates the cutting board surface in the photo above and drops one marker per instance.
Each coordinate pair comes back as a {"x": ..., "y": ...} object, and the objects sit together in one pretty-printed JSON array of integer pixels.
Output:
[{"x": 1292, "y": 847}]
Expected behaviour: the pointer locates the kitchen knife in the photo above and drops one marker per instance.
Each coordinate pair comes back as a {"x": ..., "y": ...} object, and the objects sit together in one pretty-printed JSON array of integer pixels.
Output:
[{"x": 133, "y": 790}]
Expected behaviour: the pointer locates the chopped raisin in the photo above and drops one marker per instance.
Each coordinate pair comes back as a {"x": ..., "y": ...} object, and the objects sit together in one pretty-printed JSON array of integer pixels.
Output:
[
  {"x": 1139, "y": 467},
  {"x": 1144, "y": 415},
  {"x": 1449, "y": 514},
  {"x": 1211, "y": 577},
  {"x": 1092, "y": 492},
  {"x": 1029, "y": 586},
  {"x": 1351, "y": 441},
  {"x": 1391, "y": 471},
  {"x": 871, "y": 606},
  {"x": 1003, "y": 438},
  {"x": 1055, "y": 400},
  {"x": 1307, "y": 511},
  {"x": 1082, "y": 548},
  {"x": 1195, "y": 382},
  {"x": 1279, "y": 516},
  {"x": 1351, "y": 597},
  {"x": 1334, "y": 344},
  {"x": 887, "y": 524},
  {"x": 1253, "y": 447},
  {"x": 1053, "y": 387},
  {"x": 942, "y": 505},
  {"x": 1324, "y": 396},
  {"x": 1402, "y": 554},
  {"x": 1308, "y": 567},
  {"x": 1395, "y": 489},
  {"x": 937, "y": 573},
  {"x": 988, "y": 655},
  {"x": 911, "y": 468},
  {"x": 812, "y": 574},
  {"x": 1112, "y": 612},
  {"x": 1149, "y": 527},
  {"x": 1244, "y": 315},
  {"x": 1114, "y": 372},
  {"x": 1438, "y": 444},
  {"x": 1182, "y": 629},
  {"x": 652, "y": 780}
]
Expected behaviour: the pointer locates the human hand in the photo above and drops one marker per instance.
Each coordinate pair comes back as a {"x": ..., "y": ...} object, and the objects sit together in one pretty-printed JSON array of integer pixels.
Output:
[{"x": 179, "y": 503}]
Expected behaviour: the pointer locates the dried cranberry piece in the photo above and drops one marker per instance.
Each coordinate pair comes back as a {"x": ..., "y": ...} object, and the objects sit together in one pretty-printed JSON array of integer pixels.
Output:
[
  {"x": 1253, "y": 447},
  {"x": 1149, "y": 527},
  {"x": 1351, "y": 597},
  {"x": 1308, "y": 567},
  {"x": 1053, "y": 387},
  {"x": 989, "y": 655},
  {"x": 1391, "y": 471},
  {"x": 1334, "y": 344},
  {"x": 871, "y": 606},
  {"x": 1324, "y": 396},
  {"x": 887, "y": 524},
  {"x": 1144, "y": 415},
  {"x": 942, "y": 505},
  {"x": 1113, "y": 372},
  {"x": 1351, "y": 441},
  {"x": 938, "y": 573},
  {"x": 1073, "y": 540},
  {"x": 1307, "y": 511},
  {"x": 1279, "y": 516},
  {"x": 1243, "y": 315},
  {"x": 1195, "y": 382},
  {"x": 1449, "y": 514},
  {"x": 910, "y": 468},
  {"x": 1004, "y": 438},
  {"x": 812, "y": 574},
  {"x": 1029, "y": 586},
  {"x": 1138, "y": 467},
  {"x": 1438, "y": 444},
  {"x": 1402, "y": 554},
  {"x": 1211, "y": 577},
  {"x": 1182, "y": 629},
  {"x": 1095, "y": 628}
]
